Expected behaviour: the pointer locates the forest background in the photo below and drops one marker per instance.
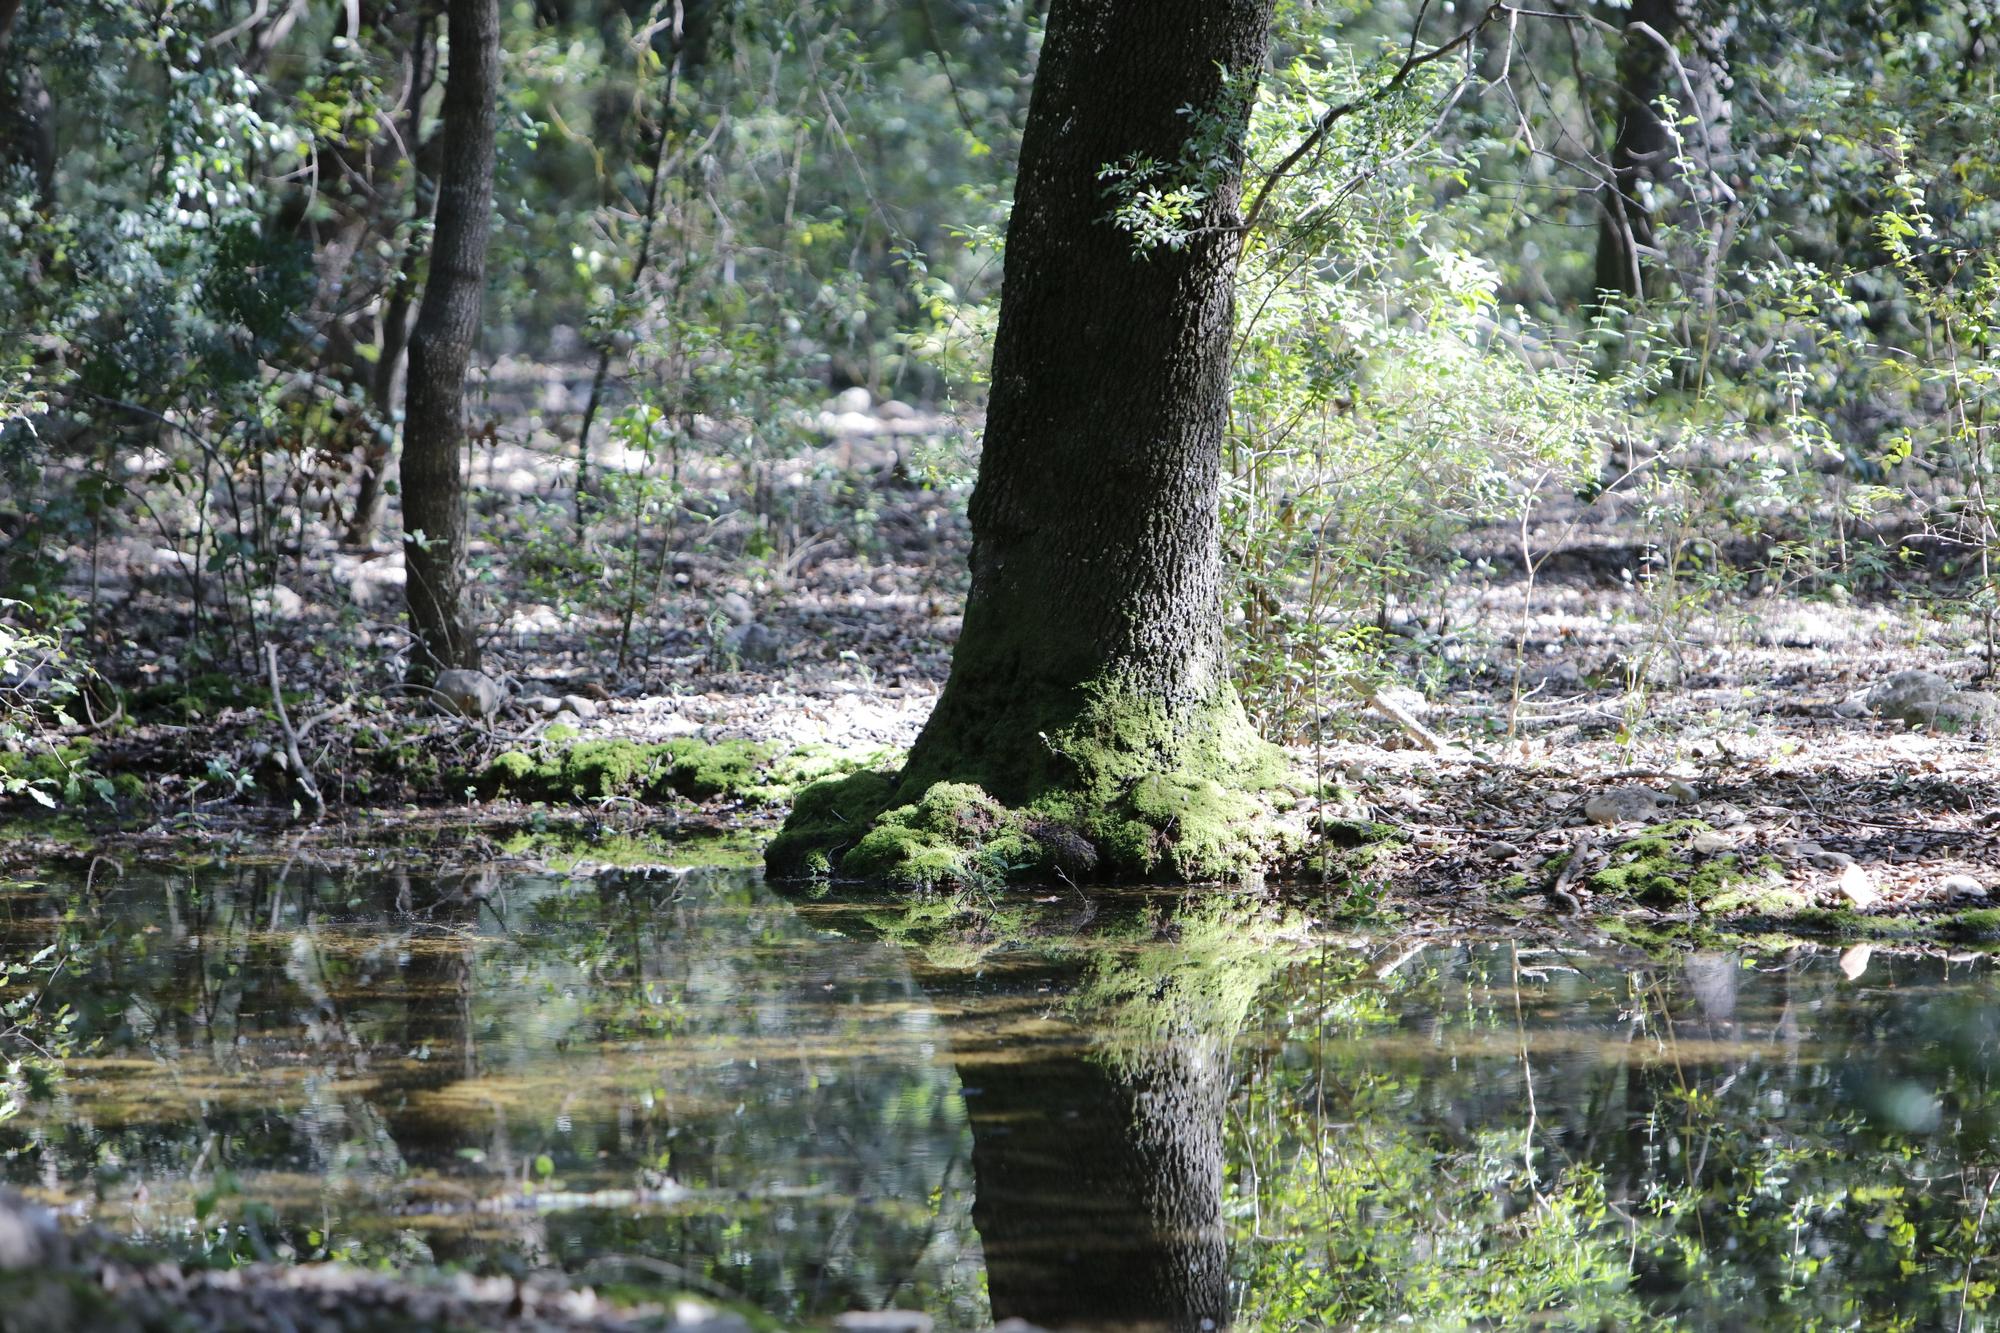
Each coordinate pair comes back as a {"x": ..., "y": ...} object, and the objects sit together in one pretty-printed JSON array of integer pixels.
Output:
[{"x": 1613, "y": 392}]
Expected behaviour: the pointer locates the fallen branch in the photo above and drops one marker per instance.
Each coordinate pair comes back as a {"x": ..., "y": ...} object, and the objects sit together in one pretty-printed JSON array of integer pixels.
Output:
[
  {"x": 300, "y": 773},
  {"x": 1401, "y": 716}
]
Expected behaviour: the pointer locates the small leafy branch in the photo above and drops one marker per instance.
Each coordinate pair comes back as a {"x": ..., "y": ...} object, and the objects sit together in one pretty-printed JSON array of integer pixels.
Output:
[{"x": 38, "y": 681}]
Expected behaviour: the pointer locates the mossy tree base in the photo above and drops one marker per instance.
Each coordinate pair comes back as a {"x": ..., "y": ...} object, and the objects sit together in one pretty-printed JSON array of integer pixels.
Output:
[{"x": 1124, "y": 792}]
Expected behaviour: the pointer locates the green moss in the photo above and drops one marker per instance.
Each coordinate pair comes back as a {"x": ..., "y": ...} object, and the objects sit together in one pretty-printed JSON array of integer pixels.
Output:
[
  {"x": 828, "y": 818},
  {"x": 1976, "y": 923},
  {"x": 596, "y": 769},
  {"x": 698, "y": 770},
  {"x": 566, "y": 849},
  {"x": 514, "y": 774},
  {"x": 703, "y": 770},
  {"x": 53, "y": 765},
  {"x": 1659, "y": 868},
  {"x": 1115, "y": 785}
]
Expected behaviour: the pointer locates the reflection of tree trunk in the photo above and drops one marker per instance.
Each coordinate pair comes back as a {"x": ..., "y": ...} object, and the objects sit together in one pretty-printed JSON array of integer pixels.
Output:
[
  {"x": 1100, "y": 1190},
  {"x": 437, "y": 1046}
]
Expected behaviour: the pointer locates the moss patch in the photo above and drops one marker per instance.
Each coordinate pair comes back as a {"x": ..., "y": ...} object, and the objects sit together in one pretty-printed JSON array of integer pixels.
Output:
[
  {"x": 1659, "y": 868},
  {"x": 827, "y": 819},
  {"x": 565, "y": 770}
]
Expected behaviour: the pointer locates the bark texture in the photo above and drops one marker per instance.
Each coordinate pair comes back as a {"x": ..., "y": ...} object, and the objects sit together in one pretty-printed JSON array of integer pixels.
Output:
[
  {"x": 433, "y": 471},
  {"x": 1096, "y": 568}
]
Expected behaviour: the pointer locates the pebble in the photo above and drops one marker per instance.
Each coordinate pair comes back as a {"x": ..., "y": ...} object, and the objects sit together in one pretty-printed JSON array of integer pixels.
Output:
[
  {"x": 577, "y": 704},
  {"x": 1961, "y": 886},
  {"x": 472, "y": 693},
  {"x": 1622, "y": 805}
]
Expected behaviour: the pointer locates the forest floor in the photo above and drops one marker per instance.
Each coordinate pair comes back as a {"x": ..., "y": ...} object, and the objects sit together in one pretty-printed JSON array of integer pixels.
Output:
[{"x": 1580, "y": 741}]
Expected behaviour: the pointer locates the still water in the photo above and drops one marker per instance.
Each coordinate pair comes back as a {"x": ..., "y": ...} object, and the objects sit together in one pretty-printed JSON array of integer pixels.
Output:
[{"x": 1125, "y": 1112}]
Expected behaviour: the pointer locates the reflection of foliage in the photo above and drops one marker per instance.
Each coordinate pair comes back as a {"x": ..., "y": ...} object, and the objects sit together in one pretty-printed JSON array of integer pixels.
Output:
[
  {"x": 1410, "y": 1155},
  {"x": 35, "y": 1035},
  {"x": 665, "y": 1064},
  {"x": 1377, "y": 1225},
  {"x": 1346, "y": 1213},
  {"x": 1198, "y": 977}
]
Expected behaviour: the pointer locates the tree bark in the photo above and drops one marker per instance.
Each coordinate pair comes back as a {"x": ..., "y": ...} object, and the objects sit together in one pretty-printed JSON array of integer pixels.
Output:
[
  {"x": 1097, "y": 575},
  {"x": 433, "y": 475},
  {"x": 389, "y": 371}
]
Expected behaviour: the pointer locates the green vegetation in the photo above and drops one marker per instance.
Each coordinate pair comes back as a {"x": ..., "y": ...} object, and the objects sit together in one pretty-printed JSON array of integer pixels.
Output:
[{"x": 565, "y": 770}]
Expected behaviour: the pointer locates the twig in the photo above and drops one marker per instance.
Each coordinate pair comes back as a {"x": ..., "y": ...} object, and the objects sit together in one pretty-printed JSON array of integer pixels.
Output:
[
  {"x": 300, "y": 773},
  {"x": 1412, "y": 62}
]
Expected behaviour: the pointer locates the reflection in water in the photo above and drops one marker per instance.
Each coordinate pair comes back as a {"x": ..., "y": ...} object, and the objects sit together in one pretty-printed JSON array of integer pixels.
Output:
[{"x": 1132, "y": 1113}]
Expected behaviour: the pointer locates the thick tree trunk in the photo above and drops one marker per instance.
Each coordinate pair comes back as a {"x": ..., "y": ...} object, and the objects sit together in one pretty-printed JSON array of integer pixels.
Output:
[
  {"x": 441, "y": 346},
  {"x": 1097, "y": 576}
]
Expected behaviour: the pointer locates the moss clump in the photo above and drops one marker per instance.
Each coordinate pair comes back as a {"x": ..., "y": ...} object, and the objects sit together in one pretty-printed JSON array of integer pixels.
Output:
[
  {"x": 827, "y": 819},
  {"x": 1658, "y": 868},
  {"x": 1974, "y": 923},
  {"x": 939, "y": 840},
  {"x": 1120, "y": 786},
  {"x": 564, "y": 770},
  {"x": 703, "y": 770}
]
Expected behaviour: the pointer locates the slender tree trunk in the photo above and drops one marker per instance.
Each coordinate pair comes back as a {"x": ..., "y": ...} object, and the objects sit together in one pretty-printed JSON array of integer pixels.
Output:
[
  {"x": 1095, "y": 611},
  {"x": 27, "y": 119},
  {"x": 387, "y": 385},
  {"x": 1644, "y": 149},
  {"x": 1640, "y": 151},
  {"x": 434, "y": 511}
]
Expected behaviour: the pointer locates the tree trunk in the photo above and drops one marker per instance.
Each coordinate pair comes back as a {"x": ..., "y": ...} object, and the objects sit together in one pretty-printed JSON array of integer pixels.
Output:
[
  {"x": 441, "y": 346},
  {"x": 1093, "y": 630},
  {"x": 1644, "y": 149},
  {"x": 27, "y": 119},
  {"x": 387, "y": 382},
  {"x": 1641, "y": 148}
]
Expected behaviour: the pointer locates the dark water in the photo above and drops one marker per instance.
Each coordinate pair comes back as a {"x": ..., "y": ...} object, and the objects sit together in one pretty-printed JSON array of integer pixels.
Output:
[{"x": 1137, "y": 1112}]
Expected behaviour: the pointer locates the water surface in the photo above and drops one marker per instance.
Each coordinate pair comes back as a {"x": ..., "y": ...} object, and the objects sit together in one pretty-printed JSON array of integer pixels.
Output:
[{"x": 1107, "y": 1113}]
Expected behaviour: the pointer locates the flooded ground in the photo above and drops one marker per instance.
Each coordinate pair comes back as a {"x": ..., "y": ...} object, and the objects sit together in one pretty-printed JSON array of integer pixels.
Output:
[{"x": 1128, "y": 1111}]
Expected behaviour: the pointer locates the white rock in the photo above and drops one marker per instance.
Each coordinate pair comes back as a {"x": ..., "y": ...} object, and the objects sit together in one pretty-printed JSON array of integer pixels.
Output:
[
  {"x": 577, "y": 704},
  {"x": 1858, "y": 887},
  {"x": 278, "y": 602},
  {"x": 542, "y": 705},
  {"x": 854, "y": 399},
  {"x": 1961, "y": 886},
  {"x": 1926, "y": 699}
]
